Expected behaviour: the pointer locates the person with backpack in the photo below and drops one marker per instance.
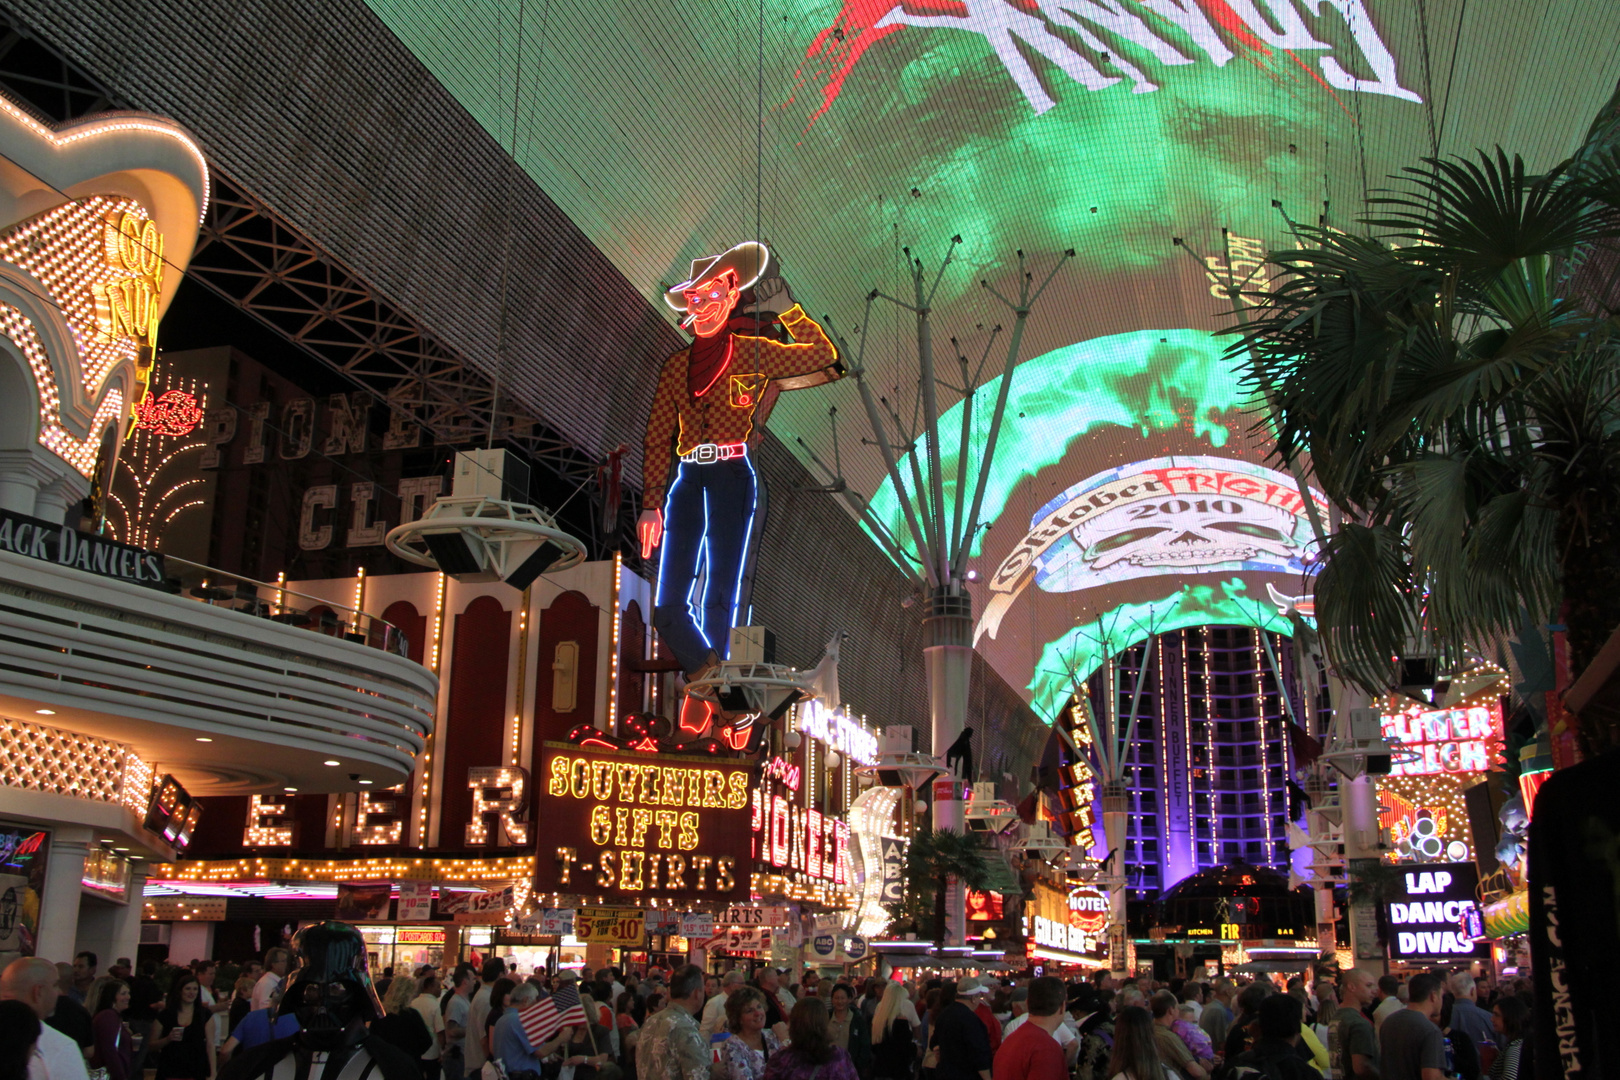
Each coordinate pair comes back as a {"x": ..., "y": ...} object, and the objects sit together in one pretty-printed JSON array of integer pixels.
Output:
[
  {"x": 1092, "y": 1024},
  {"x": 1274, "y": 1055}
]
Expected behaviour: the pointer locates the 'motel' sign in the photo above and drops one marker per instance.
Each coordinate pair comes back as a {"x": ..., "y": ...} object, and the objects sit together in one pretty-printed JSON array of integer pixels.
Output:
[{"x": 1427, "y": 921}]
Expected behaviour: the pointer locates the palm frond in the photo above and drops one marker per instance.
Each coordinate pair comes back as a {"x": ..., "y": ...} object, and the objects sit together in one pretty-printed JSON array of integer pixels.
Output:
[
  {"x": 1367, "y": 603},
  {"x": 1481, "y": 216}
]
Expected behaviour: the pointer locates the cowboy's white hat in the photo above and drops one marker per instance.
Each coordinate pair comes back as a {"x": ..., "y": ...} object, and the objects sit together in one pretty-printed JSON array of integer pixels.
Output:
[{"x": 748, "y": 260}]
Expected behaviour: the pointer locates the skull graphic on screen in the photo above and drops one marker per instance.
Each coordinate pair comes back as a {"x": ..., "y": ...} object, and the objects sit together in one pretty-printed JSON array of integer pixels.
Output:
[{"x": 1185, "y": 531}]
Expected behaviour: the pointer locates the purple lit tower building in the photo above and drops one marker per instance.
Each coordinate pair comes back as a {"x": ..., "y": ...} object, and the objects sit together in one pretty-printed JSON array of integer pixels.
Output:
[{"x": 1208, "y": 770}]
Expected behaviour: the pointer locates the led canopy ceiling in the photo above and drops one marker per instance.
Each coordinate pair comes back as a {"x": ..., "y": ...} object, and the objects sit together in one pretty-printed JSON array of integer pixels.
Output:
[{"x": 854, "y": 135}]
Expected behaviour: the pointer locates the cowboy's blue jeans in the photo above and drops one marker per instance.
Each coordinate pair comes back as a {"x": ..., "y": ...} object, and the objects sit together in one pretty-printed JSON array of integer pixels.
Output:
[{"x": 708, "y": 527}]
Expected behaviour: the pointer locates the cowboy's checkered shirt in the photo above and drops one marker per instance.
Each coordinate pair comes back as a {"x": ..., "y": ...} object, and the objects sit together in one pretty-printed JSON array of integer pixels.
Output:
[{"x": 759, "y": 369}]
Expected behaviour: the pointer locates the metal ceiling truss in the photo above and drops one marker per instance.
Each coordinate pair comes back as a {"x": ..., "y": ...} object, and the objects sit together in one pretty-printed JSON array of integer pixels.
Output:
[
  {"x": 44, "y": 78},
  {"x": 255, "y": 260}
]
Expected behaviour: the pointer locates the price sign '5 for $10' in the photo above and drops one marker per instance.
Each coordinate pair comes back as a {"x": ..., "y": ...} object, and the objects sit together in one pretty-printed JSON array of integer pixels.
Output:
[{"x": 611, "y": 926}]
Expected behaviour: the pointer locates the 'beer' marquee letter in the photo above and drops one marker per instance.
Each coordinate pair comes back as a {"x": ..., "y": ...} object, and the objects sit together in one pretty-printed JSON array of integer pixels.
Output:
[{"x": 498, "y": 790}]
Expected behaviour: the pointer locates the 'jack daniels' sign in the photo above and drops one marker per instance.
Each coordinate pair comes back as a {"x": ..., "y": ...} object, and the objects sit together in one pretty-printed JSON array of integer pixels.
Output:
[{"x": 33, "y": 538}]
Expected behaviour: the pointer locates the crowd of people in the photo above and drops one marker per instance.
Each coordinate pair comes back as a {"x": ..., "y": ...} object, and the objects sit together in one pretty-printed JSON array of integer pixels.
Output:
[{"x": 69, "y": 1022}]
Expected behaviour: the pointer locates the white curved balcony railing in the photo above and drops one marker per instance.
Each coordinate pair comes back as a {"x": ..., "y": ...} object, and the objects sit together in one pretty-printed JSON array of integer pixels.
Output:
[{"x": 228, "y": 701}]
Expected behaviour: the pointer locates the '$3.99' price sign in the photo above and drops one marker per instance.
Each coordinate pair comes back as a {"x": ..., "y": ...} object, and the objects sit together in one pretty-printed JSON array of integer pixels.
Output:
[{"x": 611, "y": 926}]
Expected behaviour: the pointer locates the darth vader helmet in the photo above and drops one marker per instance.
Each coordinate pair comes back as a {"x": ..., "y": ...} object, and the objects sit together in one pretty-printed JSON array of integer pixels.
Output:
[{"x": 331, "y": 989}]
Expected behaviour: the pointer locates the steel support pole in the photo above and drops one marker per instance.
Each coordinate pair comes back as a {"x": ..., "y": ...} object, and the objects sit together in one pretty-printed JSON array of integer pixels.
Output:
[
  {"x": 1116, "y": 823},
  {"x": 948, "y": 658},
  {"x": 1360, "y": 801}
]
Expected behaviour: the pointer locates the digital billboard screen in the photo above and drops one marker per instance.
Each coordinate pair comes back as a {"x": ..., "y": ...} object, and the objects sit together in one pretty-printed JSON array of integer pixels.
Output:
[
  {"x": 1129, "y": 495},
  {"x": 1169, "y": 143}
]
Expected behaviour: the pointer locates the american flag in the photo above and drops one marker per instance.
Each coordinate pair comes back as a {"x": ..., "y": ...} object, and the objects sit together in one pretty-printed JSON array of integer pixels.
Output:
[{"x": 542, "y": 1020}]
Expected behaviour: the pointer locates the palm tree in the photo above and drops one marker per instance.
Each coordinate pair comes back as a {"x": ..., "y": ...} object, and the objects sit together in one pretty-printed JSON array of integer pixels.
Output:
[
  {"x": 931, "y": 861},
  {"x": 1452, "y": 378}
]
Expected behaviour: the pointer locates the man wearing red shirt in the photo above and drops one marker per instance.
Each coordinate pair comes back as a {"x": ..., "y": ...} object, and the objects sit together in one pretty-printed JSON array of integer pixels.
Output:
[{"x": 1032, "y": 1052}]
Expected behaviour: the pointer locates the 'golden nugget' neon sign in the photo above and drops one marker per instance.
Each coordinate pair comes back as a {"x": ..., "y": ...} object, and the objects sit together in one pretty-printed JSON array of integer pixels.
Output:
[
  {"x": 634, "y": 823},
  {"x": 127, "y": 306}
]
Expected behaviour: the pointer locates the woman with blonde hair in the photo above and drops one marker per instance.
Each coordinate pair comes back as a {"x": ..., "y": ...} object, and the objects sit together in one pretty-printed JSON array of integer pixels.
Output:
[
  {"x": 241, "y": 1002},
  {"x": 400, "y": 1024},
  {"x": 1327, "y": 1009},
  {"x": 893, "y": 1047}
]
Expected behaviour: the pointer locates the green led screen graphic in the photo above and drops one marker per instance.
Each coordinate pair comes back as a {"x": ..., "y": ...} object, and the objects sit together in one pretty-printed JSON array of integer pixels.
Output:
[
  {"x": 853, "y": 130},
  {"x": 1154, "y": 510}
]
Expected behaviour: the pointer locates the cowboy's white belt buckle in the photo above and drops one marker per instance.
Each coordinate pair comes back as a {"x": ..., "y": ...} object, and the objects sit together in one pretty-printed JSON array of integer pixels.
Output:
[{"x": 705, "y": 453}]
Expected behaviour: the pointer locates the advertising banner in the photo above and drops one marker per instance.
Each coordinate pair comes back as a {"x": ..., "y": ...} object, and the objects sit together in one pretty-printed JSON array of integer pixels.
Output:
[
  {"x": 626, "y": 825},
  {"x": 663, "y": 922},
  {"x": 748, "y": 939},
  {"x": 1118, "y": 949},
  {"x": 830, "y": 947},
  {"x": 1435, "y": 914},
  {"x": 611, "y": 926},
  {"x": 764, "y": 915},
  {"x": 739, "y": 939},
  {"x": 415, "y": 901},
  {"x": 481, "y": 906},
  {"x": 363, "y": 903},
  {"x": 36, "y": 539},
  {"x": 557, "y": 921},
  {"x": 697, "y": 925}
]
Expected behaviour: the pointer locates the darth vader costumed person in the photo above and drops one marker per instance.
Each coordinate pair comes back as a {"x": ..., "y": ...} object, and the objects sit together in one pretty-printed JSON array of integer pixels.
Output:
[{"x": 332, "y": 996}]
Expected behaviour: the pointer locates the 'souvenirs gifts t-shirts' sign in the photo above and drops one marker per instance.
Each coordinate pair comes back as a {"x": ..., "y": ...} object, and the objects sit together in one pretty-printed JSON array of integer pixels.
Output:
[{"x": 33, "y": 538}]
